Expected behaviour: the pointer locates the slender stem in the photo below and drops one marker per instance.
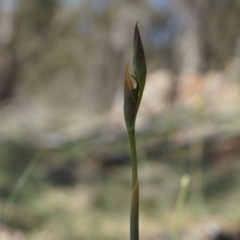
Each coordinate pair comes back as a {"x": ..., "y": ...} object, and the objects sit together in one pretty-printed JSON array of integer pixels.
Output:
[
  {"x": 131, "y": 135},
  {"x": 134, "y": 218}
]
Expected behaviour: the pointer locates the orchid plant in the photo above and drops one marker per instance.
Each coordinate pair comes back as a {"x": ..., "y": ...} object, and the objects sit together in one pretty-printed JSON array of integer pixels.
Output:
[{"x": 132, "y": 99}]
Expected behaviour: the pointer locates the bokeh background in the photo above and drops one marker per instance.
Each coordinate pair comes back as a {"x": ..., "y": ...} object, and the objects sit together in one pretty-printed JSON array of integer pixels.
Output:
[{"x": 65, "y": 169}]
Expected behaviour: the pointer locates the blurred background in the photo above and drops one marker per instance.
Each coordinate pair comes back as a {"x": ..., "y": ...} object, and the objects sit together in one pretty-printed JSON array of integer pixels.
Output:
[{"x": 65, "y": 169}]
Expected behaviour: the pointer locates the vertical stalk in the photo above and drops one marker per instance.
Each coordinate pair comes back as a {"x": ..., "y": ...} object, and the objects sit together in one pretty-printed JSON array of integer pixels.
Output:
[
  {"x": 131, "y": 135},
  {"x": 134, "y": 216}
]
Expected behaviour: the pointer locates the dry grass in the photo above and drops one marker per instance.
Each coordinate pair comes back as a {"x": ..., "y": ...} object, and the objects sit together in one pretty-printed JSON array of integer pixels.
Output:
[{"x": 100, "y": 209}]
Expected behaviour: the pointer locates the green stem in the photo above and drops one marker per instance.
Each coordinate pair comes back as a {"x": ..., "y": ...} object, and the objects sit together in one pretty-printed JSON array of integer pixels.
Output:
[
  {"x": 134, "y": 218},
  {"x": 131, "y": 135}
]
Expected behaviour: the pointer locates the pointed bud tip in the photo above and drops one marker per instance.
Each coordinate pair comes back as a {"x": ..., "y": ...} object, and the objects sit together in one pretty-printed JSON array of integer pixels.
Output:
[
  {"x": 136, "y": 32},
  {"x": 139, "y": 62}
]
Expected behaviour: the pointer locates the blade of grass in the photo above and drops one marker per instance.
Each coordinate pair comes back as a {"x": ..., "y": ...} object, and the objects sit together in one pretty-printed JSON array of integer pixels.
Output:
[
  {"x": 21, "y": 183},
  {"x": 180, "y": 204}
]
